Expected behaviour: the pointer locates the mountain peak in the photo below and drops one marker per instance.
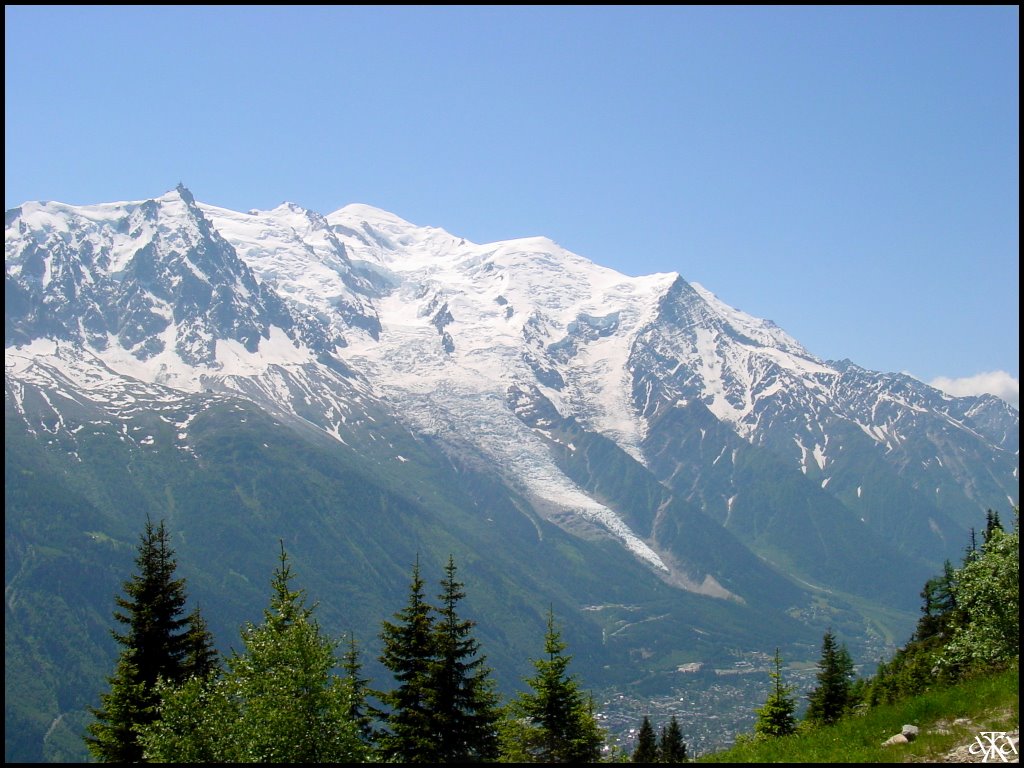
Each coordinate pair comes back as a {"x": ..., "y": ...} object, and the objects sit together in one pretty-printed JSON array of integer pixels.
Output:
[
  {"x": 372, "y": 215},
  {"x": 185, "y": 194},
  {"x": 364, "y": 388},
  {"x": 454, "y": 326}
]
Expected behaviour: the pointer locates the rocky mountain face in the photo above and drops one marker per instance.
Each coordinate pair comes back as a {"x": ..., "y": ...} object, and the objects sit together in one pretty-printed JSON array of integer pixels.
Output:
[{"x": 679, "y": 479}]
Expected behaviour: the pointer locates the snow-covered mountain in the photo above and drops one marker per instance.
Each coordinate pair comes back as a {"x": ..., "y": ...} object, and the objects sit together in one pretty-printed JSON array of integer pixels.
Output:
[
  {"x": 706, "y": 446},
  {"x": 306, "y": 314}
]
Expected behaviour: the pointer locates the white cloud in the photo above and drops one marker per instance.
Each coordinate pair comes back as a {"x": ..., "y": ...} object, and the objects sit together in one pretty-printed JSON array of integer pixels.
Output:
[{"x": 998, "y": 383}]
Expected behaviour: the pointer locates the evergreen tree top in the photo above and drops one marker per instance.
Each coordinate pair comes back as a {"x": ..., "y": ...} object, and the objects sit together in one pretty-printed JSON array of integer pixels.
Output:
[
  {"x": 287, "y": 605},
  {"x": 159, "y": 641}
]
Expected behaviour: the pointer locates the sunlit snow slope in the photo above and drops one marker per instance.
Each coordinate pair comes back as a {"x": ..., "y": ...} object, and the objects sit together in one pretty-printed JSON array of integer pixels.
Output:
[{"x": 502, "y": 352}]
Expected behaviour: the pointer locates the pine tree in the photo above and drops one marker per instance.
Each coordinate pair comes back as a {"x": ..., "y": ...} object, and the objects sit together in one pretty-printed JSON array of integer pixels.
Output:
[
  {"x": 409, "y": 652},
  {"x": 938, "y": 607},
  {"x": 992, "y": 523},
  {"x": 293, "y": 709},
  {"x": 461, "y": 694},
  {"x": 972, "y": 547},
  {"x": 358, "y": 710},
  {"x": 558, "y": 723},
  {"x": 201, "y": 657},
  {"x": 155, "y": 644},
  {"x": 112, "y": 737},
  {"x": 278, "y": 701},
  {"x": 831, "y": 698},
  {"x": 671, "y": 747},
  {"x": 646, "y": 744},
  {"x": 776, "y": 717}
]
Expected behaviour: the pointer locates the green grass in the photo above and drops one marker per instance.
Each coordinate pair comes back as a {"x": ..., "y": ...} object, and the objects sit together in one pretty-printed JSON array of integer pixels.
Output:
[{"x": 991, "y": 704}]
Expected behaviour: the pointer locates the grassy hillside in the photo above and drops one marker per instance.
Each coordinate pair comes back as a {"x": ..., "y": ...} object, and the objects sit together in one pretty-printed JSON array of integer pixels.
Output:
[{"x": 989, "y": 703}]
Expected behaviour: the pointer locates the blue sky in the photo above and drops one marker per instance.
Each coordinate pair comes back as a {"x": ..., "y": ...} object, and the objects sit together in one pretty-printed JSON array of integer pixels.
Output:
[{"x": 851, "y": 173}]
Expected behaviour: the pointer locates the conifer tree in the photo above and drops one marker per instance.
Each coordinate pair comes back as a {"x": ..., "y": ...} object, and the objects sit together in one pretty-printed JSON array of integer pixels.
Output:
[
  {"x": 112, "y": 738},
  {"x": 938, "y": 607},
  {"x": 409, "y": 652},
  {"x": 358, "y": 709},
  {"x": 461, "y": 694},
  {"x": 201, "y": 657},
  {"x": 992, "y": 523},
  {"x": 560, "y": 726},
  {"x": 671, "y": 747},
  {"x": 293, "y": 708},
  {"x": 776, "y": 717},
  {"x": 278, "y": 701},
  {"x": 831, "y": 698},
  {"x": 972, "y": 547},
  {"x": 646, "y": 744},
  {"x": 155, "y": 644}
]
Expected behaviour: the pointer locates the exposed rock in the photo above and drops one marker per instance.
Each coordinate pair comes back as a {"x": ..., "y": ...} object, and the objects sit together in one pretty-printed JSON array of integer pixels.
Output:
[
  {"x": 980, "y": 745},
  {"x": 1007, "y": 750}
]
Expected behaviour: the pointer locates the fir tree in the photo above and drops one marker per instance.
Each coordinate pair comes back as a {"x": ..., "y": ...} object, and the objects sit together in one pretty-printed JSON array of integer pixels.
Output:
[
  {"x": 293, "y": 709},
  {"x": 992, "y": 523},
  {"x": 128, "y": 705},
  {"x": 358, "y": 710},
  {"x": 155, "y": 644},
  {"x": 671, "y": 747},
  {"x": 646, "y": 744},
  {"x": 938, "y": 606},
  {"x": 278, "y": 700},
  {"x": 461, "y": 694},
  {"x": 972, "y": 547},
  {"x": 831, "y": 698},
  {"x": 201, "y": 657},
  {"x": 558, "y": 724},
  {"x": 776, "y": 717},
  {"x": 409, "y": 652}
]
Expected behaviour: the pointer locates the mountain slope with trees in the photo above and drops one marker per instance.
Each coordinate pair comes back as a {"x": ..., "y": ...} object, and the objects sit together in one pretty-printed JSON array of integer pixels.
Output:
[
  {"x": 961, "y": 663},
  {"x": 677, "y": 479}
]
